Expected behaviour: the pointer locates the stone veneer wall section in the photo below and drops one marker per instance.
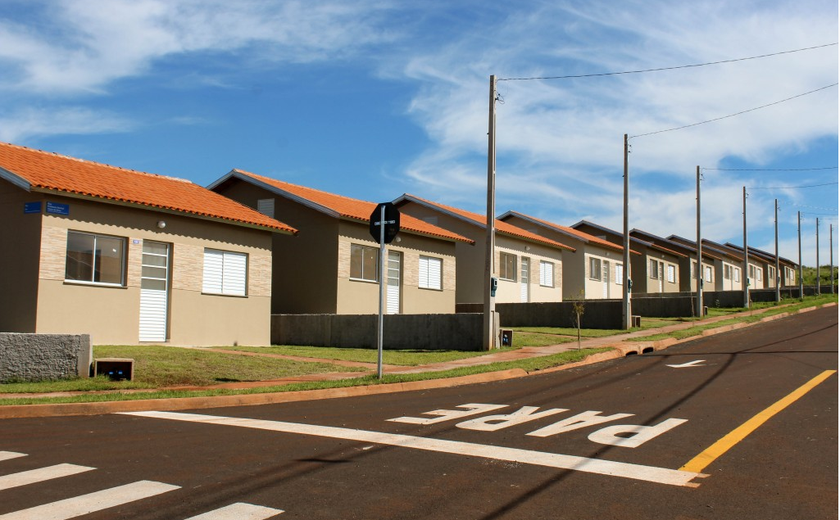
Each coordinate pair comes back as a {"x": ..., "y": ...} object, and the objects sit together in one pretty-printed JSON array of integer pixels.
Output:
[{"x": 40, "y": 357}]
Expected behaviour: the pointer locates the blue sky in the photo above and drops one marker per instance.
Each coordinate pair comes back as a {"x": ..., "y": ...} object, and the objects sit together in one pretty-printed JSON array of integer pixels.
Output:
[{"x": 375, "y": 98}]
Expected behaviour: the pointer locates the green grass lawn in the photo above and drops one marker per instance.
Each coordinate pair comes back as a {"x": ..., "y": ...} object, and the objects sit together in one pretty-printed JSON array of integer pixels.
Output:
[
  {"x": 369, "y": 355},
  {"x": 160, "y": 366}
]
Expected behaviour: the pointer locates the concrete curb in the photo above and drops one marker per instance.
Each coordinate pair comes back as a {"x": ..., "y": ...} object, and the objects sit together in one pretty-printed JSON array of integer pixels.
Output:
[{"x": 618, "y": 350}]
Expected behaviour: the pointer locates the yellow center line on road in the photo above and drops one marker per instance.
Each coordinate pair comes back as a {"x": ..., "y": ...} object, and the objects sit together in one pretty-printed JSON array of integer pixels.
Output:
[{"x": 701, "y": 461}]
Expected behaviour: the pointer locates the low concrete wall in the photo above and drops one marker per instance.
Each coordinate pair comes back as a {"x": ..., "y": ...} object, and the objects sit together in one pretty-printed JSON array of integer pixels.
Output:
[
  {"x": 597, "y": 314},
  {"x": 401, "y": 331},
  {"x": 673, "y": 305},
  {"x": 40, "y": 357}
]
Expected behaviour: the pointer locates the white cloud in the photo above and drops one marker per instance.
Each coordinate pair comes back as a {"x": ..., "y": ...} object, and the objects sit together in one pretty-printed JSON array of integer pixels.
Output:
[
  {"x": 563, "y": 139},
  {"x": 19, "y": 125},
  {"x": 83, "y": 45}
]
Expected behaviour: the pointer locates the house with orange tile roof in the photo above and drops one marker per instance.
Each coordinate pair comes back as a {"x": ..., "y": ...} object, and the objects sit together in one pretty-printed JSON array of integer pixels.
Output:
[
  {"x": 528, "y": 267},
  {"x": 654, "y": 270},
  {"x": 687, "y": 263},
  {"x": 332, "y": 266},
  {"x": 727, "y": 264},
  {"x": 129, "y": 257},
  {"x": 594, "y": 270}
]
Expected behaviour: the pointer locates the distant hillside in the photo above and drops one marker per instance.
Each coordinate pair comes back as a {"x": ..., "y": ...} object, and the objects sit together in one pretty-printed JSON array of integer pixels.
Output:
[{"x": 809, "y": 275}]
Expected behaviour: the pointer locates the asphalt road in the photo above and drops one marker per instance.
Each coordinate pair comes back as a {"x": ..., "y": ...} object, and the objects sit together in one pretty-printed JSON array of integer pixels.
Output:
[{"x": 737, "y": 426}]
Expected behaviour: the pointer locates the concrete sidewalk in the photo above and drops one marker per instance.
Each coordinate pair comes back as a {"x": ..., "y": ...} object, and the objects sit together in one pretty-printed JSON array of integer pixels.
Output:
[{"x": 620, "y": 345}]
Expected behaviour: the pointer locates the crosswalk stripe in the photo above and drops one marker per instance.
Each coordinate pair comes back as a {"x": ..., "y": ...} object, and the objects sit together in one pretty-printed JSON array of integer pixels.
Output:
[
  {"x": 92, "y": 502},
  {"x": 9, "y": 455},
  {"x": 40, "y": 475},
  {"x": 239, "y": 511},
  {"x": 551, "y": 460}
]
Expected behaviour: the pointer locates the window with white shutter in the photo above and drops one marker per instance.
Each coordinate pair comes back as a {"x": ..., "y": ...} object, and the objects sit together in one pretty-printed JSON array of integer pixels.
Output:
[
  {"x": 430, "y": 273},
  {"x": 225, "y": 273},
  {"x": 546, "y": 274}
]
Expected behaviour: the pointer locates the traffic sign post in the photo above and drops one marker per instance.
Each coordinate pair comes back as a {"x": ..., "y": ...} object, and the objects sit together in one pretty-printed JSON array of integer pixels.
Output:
[{"x": 384, "y": 226}]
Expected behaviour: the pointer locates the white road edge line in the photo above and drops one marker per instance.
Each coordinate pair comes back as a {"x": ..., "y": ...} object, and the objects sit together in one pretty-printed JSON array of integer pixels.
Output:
[
  {"x": 9, "y": 455},
  {"x": 92, "y": 502},
  {"x": 33, "y": 476},
  {"x": 239, "y": 511},
  {"x": 658, "y": 475}
]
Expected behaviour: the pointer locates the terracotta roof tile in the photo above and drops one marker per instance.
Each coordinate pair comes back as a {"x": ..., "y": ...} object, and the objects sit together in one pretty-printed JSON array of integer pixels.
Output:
[
  {"x": 501, "y": 226},
  {"x": 45, "y": 171},
  {"x": 586, "y": 237},
  {"x": 350, "y": 208}
]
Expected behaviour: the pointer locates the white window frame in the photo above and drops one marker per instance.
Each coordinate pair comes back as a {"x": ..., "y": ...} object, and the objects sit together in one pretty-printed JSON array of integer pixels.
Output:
[
  {"x": 225, "y": 273},
  {"x": 546, "y": 274},
  {"x": 736, "y": 274},
  {"x": 595, "y": 267},
  {"x": 672, "y": 273},
  {"x": 619, "y": 274},
  {"x": 503, "y": 267},
  {"x": 708, "y": 274},
  {"x": 369, "y": 273},
  {"x": 653, "y": 269},
  {"x": 431, "y": 273},
  {"x": 95, "y": 258}
]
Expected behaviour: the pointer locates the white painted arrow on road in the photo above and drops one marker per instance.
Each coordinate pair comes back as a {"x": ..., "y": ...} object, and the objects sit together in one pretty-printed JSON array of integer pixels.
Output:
[{"x": 695, "y": 363}]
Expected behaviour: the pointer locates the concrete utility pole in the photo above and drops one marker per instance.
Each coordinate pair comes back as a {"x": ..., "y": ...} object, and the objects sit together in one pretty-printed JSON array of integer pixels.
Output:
[
  {"x": 818, "y": 256},
  {"x": 778, "y": 277},
  {"x": 799, "y": 237},
  {"x": 625, "y": 300},
  {"x": 745, "y": 276},
  {"x": 831, "y": 253},
  {"x": 699, "y": 270},
  {"x": 489, "y": 259}
]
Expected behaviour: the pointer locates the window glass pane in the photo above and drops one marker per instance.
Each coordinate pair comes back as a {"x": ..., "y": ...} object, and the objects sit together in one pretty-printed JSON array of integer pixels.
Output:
[
  {"x": 79, "y": 264},
  {"x": 157, "y": 248},
  {"x": 154, "y": 272},
  {"x": 370, "y": 269},
  {"x": 154, "y": 260},
  {"x": 109, "y": 260},
  {"x": 159, "y": 285},
  {"x": 364, "y": 263},
  {"x": 507, "y": 267}
]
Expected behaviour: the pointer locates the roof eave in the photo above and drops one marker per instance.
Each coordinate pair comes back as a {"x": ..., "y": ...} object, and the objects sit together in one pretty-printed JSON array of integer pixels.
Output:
[
  {"x": 237, "y": 174},
  {"x": 15, "y": 179},
  {"x": 160, "y": 209}
]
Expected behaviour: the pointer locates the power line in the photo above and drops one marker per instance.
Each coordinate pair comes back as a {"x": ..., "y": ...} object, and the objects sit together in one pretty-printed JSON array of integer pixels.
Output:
[
  {"x": 792, "y": 187},
  {"x": 735, "y": 114},
  {"x": 661, "y": 69},
  {"x": 771, "y": 169}
]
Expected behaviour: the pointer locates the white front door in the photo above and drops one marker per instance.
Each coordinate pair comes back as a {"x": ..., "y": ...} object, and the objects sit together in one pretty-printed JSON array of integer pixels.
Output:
[
  {"x": 154, "y": 291},
  {"x": 393, "y": 291},
  {"x": 605, "y": 276},
  {"x": 525, "y": 273}
]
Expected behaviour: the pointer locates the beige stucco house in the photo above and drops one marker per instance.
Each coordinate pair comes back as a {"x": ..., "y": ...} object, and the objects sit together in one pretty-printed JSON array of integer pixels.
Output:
[
  {"x": 529, "y": 267},
  {"x": 727, "y": 266},
  {"x": 592, "y": 271},
  {"x": 129, "y": 257},
  {"x": 654, "y": 270},
  {"x": 764, "y": 266},
  {"x": 332, "y": 266},
  {"x": 687, "y": 261}
]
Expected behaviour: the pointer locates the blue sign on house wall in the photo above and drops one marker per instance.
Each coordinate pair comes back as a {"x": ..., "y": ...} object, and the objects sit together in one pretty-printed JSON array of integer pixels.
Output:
[
  {"x": 31, "y": 207},
  {"x": 58, "y": 209}
]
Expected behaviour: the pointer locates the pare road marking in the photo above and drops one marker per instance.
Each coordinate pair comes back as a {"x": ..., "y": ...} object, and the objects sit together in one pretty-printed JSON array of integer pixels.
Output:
[
  {"x": 695, "y": 363},
  {"x": 654, "y": 474}
]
